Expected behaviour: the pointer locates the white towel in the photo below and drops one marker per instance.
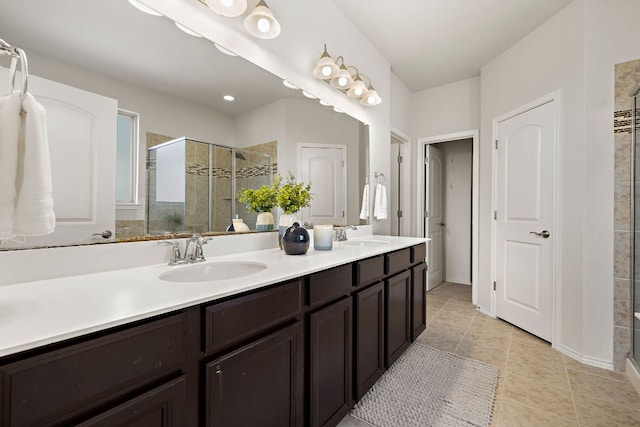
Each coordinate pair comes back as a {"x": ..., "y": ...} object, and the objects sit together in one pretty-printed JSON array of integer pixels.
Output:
[
  {"x": 9, "y": 134},
  {"x": 27, "y": 206},
  {"x": 364, "y": 211},
  {"x": 34, "y": 205},
  {"x": 380, "y": 202}
]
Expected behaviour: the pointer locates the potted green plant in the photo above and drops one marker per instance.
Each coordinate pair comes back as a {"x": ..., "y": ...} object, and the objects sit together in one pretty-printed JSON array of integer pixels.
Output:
[
  {"x": 292, "y": 196},
  {"x": 262, "y": 200}
]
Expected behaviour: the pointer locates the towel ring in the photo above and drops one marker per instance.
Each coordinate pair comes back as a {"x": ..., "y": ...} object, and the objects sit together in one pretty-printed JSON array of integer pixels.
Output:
[{"x": 24, "y": 68}]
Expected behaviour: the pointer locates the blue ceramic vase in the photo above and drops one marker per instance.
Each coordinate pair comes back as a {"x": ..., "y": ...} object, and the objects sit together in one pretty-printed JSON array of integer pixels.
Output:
[{"x": 295, "y": 240}]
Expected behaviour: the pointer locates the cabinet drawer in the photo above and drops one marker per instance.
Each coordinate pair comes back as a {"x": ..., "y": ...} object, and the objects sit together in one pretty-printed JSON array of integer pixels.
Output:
[
  {"x": 418, "y": 253},
  {"x": 397, "y": 261},
  {"x": 369, "y": 270},
  {"x": 328, "y": 285},
  {"x": 236, "y": 320},
  {"x": 55, "y": 387}
]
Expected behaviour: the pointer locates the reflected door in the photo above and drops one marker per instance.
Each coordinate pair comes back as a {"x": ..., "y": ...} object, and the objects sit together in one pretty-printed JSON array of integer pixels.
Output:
[
  {"x": 323, "y": 167},
  {"x": 524, "y": 225}
]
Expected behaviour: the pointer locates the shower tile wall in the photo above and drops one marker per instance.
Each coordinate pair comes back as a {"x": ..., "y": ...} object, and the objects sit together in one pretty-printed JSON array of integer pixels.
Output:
[
  {"x": 197, "y": 186},
  {"x": 221, "y": 180},
  {"x": 627, "y": 78}
]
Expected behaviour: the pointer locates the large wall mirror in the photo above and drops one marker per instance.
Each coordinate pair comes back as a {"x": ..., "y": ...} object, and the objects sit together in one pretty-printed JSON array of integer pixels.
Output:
[{"x": 108, "y": 74}]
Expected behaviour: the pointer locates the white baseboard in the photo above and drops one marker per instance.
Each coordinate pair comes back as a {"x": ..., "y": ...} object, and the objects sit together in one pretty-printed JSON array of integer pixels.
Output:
[
  {"x": 485, "y": 311},
  {"x": 458, "y": 281},
  {"x": 587, "y": 360},
  {"x": 634, "y": 375}
]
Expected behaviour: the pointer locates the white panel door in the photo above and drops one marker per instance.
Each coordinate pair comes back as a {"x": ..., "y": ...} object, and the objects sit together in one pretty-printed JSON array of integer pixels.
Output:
[
  {"x": 434, "y": 217},
  {"x": 524, "y": 225},
  {"x": 323, "y": 167},
  {"x": 81, "y": 129}
]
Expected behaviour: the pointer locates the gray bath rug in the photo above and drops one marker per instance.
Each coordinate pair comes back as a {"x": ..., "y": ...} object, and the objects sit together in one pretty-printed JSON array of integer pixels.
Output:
[{"x": 430, "y": 387}]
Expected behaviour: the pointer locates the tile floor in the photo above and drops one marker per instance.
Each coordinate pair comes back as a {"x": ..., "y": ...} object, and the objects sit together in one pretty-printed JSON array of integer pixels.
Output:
[{"x": 538, "y": 386}]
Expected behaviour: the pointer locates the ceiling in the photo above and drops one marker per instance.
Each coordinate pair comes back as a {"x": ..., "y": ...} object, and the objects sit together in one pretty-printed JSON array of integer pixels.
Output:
[{"x": 430, "y": 43}]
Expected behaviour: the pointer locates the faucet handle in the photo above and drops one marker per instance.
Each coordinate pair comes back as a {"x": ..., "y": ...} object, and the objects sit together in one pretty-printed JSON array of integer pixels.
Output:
[{"x": 175, "y": 251}]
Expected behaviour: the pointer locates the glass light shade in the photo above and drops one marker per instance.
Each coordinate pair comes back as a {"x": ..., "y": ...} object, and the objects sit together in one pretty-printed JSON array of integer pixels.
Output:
[
  {"x": 324, "y": 103},
  {"x": 290, "y": 85},
  {"x": 224, "y": 50},
  {"x": 229, "y": 8},
  {"x": 342, "y": 80},
  {"x": 308, "y": 95},
  {"x": 358, "y": 89},
  {"x": 372, "y": 98},
  {"x": 144, "y": 8},
  {"x": 187, "y": 30},
  {"x": 261, "y": 23},
  {"x": 326, "y": 68}
]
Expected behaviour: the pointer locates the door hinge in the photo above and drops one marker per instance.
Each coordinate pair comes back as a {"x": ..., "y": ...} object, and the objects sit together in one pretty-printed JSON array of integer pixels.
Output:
[
  {"x": 495, "y": 215},
  {"x": 494, "y": 286},
  {"x": 343, "y": 164},
  {"x": 399, "y": 159},
  {"x": 399, "y": 214},
  {"x": 426, "y": 214},
  {"x": 426, "y": 160},
  {"x": 342, "y": 214},
  {"x": 496, "y": 144}
]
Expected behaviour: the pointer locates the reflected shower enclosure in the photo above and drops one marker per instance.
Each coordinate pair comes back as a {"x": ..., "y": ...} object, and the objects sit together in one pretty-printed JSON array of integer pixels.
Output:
[
  {"x": 635, "y": 247},
  {"x": 193, "y": 185}
]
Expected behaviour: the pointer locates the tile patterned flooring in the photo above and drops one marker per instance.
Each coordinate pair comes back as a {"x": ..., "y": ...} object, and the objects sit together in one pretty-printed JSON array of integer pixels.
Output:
[{"x": 538, "y": 386}]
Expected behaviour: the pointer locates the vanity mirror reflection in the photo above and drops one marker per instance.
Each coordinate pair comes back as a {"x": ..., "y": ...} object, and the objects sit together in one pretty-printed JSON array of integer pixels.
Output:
[{"x": 118, "y": 62}]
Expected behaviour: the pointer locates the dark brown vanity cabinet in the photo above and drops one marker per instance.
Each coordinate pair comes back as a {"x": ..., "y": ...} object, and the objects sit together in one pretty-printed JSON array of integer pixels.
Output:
[
  {"x": 296, "y": 353},
  {"x": 330, "y": 345},
  {"x": 369, "y": 337},
  {"x": 260, "y": 384},
  {"x": 398, "y": 310},
  {"x": 134, "y": 375}
]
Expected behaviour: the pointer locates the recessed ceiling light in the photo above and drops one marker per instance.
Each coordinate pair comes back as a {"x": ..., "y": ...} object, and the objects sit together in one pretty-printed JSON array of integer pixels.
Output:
[
  {"x": 308, "y": 95},
  {"x": 290, "y": 85},
  {"x": 187, "y": 30},
  {"x": 325, "y": 103},
  {"x": 229, "y": 98},
  {"x": 224, "y": 50},
  {"x": 144, "y": 8}
]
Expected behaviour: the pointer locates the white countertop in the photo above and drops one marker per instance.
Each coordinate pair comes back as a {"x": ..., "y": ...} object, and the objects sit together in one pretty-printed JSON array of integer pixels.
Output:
[{"x": 42, "y": 312}]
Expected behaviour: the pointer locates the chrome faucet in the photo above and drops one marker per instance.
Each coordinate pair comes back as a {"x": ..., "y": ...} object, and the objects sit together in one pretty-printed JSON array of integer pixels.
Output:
[
  {"x": 193, "y": 251},
  {"x": 340, "y": 232}
]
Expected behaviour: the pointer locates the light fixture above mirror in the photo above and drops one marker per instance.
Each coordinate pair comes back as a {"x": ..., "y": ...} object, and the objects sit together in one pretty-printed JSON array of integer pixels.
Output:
[
  {"x": 228, "y": 8},
  {"x": 342, "y": 79}
]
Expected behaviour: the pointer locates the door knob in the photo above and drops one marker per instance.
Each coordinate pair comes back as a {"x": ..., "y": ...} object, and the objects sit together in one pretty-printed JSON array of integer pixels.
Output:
[
  {"x": 442, "y": 224},
  {"x": 544, "y": 234},
  {"x": 105, "y": 234}
]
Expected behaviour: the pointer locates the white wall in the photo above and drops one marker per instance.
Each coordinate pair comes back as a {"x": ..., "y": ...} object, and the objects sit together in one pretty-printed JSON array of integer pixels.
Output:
[
  {"x": 439, "y": 111},
  {"x": 400, "y": 106},
  {"x": 159, "y": 113},
  {"x": 294, "y": 53},
  {"x": 457, "y": 156},
  {"x": 549, "y": 59}
]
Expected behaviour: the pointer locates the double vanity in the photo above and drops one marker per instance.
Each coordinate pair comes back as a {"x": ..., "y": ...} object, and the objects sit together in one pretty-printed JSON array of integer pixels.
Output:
[{"x": 258, "y": 338}]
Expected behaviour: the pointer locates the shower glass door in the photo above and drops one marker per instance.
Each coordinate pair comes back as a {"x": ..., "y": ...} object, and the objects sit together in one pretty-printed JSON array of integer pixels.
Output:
[{"x": 635, "y": 259}]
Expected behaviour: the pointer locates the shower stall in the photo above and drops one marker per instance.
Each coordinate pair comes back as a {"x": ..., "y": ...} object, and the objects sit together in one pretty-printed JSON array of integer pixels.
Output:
[
  {"x": 192, "y": 186},
  {"x": 635, "y": 246}
]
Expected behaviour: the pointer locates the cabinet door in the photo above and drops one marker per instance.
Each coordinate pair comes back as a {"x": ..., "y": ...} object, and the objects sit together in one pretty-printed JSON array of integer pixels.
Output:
[
  {"x": 260, "y": 384},
  {"x": 418, "y": 300},
  {"x": 164, "y": 406},
  {"x": 330, "y": 362},
  {"x": 369, "y": 349},
  {"x": 398, "y": 296}
]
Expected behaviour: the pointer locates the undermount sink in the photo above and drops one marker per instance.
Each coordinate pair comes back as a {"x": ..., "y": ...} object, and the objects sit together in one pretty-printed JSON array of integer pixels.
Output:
[
  {"x": 213, "y": 271},
  {"x": 365, "y": 242}
]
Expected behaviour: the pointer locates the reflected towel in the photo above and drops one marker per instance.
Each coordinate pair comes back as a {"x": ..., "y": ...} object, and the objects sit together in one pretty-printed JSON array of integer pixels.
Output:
[
  {"x": 9, "y": 135},
  {"x": 380, "y": 202},
  {"x": 34, "y": 203},
  {"x": 364, "y": 211}
]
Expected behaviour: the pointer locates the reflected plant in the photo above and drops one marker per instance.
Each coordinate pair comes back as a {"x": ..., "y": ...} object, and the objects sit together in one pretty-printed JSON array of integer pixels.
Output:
[
  {"x": 262, "y": 199},
  {"x": 293, "y": 195},
  {"x": 174, "y": 220}
]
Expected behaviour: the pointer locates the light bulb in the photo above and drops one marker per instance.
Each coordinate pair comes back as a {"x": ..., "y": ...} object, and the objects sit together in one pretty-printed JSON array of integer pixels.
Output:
[
  {"x": 326, "y": 71},
  {"x": 358, "y": 91},
  {"x": 371, "y": 100},
  {"x": 342, "y": 81},
  {"x": 263, "y": 25},
  {"x": 226, "y": 3}
]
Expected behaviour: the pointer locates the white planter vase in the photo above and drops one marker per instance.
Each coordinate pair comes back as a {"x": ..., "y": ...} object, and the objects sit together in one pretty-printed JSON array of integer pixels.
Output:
[{"x": 265, "y": 221}]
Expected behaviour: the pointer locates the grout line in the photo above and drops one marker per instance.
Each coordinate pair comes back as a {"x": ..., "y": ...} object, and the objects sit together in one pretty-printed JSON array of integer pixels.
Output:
[
  {"x": 465, "y": 333},
  {"x": 573, "y": 400}
]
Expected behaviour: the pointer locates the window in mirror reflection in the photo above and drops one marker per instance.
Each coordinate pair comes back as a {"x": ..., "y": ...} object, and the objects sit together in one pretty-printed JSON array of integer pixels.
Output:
[{"x": 126, "y": 158}]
